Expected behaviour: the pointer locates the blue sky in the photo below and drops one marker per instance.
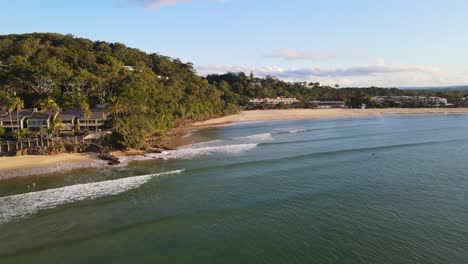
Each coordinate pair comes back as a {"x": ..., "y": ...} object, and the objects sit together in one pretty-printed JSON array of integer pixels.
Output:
[{"x": 349, "y": 42}]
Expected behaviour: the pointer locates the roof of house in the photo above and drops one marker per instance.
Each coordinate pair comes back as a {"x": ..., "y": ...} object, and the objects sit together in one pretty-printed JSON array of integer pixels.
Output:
[
  {"x": 23, "y": 113},
  {"x": 69, "y": 114},
  {"x": 94, "y": 114},
  {"x": 43, "y": 115}
]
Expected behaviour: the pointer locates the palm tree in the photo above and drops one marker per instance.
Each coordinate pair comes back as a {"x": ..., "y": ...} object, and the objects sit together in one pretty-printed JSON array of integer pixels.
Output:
[
  {"x": 86, "y": 112},
  {"x": 18, "y": 104},
  {"x": 9, "y": 106},
  {"x": 116, "y": 106},
  {"x": 50, "y": 105}
]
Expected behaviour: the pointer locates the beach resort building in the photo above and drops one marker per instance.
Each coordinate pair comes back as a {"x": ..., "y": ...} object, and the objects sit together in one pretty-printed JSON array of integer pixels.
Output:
[
  {"x": 329, "y": 104},
  {"x": 70, "y": 121},
  {"x": 94, "y": 121},
  {"x": 16, "y": 120},
  {"x": 41, "y": 119},
  {"x": 274, "y": 101}
]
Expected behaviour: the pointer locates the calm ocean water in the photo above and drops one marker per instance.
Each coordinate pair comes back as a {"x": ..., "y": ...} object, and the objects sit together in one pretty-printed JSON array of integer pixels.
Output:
[{"x": 381, "y": 190}]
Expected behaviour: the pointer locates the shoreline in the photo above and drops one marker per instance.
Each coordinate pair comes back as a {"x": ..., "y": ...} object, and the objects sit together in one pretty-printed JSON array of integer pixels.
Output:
[
  {"x": 23, "y": 166},
  {"x": 290, "y": 114},
  {"x": 12, "y": 167}
]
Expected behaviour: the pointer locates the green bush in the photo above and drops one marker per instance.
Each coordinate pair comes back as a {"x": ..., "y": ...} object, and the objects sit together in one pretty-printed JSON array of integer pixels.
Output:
[{"x": 129, "y": 132}]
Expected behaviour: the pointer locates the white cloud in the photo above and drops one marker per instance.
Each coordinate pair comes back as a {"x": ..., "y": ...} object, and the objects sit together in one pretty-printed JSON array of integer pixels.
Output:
[
  {"x": 293, "y": 54},
  {"x": 376, "y": 69},
  {"x": 379, "y": 74},
  {"x": 157, "y": 4}
]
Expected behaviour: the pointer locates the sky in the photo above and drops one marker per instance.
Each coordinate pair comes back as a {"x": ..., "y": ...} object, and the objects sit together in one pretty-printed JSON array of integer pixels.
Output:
[{"x": 389, "y": 43}]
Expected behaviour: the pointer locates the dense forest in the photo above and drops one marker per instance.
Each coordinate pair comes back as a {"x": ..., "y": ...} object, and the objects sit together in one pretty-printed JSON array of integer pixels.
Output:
[{"x": 144, "y": 93}]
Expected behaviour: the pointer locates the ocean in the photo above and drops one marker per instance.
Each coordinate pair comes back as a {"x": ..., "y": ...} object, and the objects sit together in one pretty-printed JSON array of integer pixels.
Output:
[{"x": 385, "y": 189}]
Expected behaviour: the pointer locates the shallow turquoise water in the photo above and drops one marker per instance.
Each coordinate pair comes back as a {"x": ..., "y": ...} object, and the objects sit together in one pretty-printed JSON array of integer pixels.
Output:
[{"x": 388, "y": 189}]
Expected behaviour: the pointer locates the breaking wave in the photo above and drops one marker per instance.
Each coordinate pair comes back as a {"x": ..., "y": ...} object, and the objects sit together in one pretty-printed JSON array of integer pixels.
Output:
[
  {"x": 190, "y": 153},
  {"x": 256, "y": 138},
  {"x": 26, "y": 204}
]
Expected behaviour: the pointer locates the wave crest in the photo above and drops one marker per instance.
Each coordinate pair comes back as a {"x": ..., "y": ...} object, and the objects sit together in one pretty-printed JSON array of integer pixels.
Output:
[
  {"x": 23, "y": 205},
  {"x": 190, "y": 153}
]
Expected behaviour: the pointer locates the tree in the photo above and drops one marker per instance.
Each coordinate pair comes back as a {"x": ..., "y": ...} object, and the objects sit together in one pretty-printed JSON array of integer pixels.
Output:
[
  {"x": 84, "y": 106},
  {"x": 9, "y": 106},
  {"x": 50, "y": 106},
  {"x": 18, "y": 104}
]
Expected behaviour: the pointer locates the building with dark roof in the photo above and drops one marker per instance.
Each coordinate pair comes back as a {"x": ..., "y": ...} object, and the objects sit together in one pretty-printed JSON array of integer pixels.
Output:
[
  {"x": 68, "y": 120},
  {"x": 94, "y": 122},
  {"x": 42, "y": 119},
  {"x": 16, "y": 120}
]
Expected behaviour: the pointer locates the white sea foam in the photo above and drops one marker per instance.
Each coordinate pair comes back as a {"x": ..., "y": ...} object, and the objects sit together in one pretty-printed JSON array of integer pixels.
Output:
[
  {"x": 60, "y": 167},
  {"x": 297, "y": 131},
  {"x": 190, "y": 153},
  {"x": 203, "y": 144},
  {"x": 23, "y": 205},
  {"x": 256, "y": 138}
]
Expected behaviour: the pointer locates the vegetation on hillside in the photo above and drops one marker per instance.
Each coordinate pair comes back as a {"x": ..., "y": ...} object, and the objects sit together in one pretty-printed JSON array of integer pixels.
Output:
[{"x": 145, "y": 92}]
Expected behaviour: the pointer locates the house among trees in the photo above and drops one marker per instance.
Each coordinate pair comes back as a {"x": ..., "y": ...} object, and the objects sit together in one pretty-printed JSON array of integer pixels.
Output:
[
  {"x": 16, "y": 120},
  {"x": 68, "y": 120},
  {"x": 94, "y": 121},
  {"x": 41, "y": 119}
]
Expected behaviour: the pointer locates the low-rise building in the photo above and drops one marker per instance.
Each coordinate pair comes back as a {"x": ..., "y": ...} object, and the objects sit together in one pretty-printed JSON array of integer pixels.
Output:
[
  {"x": 95, "y": 121},
  {"x": 16, "y": 120},
  {"x": 274, "y": 101},
  {"x": 42, "y": 119},
  {"x": 68, "y": 120},
  {"x": 329, "y": 104}
]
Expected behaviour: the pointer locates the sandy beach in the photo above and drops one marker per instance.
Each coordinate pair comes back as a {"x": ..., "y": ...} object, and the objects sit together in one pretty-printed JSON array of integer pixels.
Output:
[
  {"x": 265, "y": 115},
  {"x": 19, "y": 166}
]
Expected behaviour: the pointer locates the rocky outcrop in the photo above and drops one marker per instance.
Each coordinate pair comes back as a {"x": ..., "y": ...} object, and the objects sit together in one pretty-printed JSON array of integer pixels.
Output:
[{"x": 109, "y": 157}]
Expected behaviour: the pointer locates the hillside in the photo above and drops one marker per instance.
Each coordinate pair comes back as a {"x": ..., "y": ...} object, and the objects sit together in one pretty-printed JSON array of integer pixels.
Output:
[{"x": 146, "y": 92}]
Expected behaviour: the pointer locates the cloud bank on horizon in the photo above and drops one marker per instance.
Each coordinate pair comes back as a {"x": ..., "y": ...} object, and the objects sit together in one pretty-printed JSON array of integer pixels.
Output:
[{"x": 379, "y": 74}]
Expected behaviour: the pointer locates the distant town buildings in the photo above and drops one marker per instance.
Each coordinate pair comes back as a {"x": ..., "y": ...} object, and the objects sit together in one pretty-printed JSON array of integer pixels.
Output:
[
  {"x": 274, "y": 101},
  {"x": 415, "y": 100},
  {"x": 329, "y": 104}
]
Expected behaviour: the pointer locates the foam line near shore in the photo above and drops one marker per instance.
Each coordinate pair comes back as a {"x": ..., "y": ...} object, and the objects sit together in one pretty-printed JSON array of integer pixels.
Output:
[{"x": 26, "y": 204}]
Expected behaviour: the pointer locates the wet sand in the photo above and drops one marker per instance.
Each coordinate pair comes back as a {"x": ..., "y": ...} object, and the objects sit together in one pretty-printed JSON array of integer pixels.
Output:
[{"x": 19, "y": 166}]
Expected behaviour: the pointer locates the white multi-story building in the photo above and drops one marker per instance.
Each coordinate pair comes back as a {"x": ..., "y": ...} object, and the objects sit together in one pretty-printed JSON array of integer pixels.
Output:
[{"x": 274, "y": 101}]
